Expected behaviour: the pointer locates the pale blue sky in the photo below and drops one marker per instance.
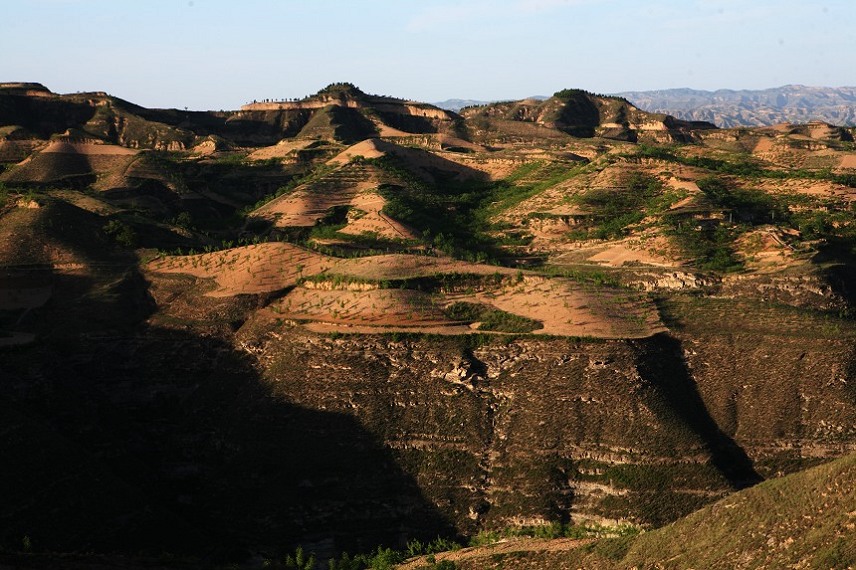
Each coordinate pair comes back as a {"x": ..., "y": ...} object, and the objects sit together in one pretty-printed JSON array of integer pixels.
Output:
[{"x": 213, "y": 54}]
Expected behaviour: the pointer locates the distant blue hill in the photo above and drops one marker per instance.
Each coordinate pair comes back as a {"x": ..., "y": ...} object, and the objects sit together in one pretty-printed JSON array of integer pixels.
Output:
[{"x": 735, "y": 108}]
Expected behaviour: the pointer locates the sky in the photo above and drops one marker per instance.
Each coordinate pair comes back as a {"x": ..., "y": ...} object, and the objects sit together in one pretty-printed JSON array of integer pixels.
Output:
[{"x": 220, "y": 54}]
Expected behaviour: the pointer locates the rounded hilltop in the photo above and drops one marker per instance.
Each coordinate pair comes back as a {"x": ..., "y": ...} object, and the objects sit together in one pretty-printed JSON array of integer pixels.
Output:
[
  {"x": 340, "y": 93},
  {"x": 343, "y": 88}
]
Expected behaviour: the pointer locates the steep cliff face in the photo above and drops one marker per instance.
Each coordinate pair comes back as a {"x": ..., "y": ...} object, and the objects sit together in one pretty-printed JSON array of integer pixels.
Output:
[
  {"x": 189, "y": 412},
  {"x": 535, "y": 431}
]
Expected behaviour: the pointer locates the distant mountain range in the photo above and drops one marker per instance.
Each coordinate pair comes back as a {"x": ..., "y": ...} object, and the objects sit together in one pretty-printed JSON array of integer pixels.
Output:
[{"x": 735, "y": 108}]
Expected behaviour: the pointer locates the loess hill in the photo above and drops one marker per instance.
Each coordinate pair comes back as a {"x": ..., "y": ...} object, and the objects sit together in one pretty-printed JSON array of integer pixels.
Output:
[{"x": 351, "y": 321}]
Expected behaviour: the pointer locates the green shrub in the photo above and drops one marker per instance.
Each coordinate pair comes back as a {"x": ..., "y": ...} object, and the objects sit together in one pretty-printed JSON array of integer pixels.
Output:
[
  {"x": 384, "y": 559},
  {"x": 710, "y": 248},
  {"x": 345, "y": 562},
  {"x": 299, "y": 560},
  {"x": 183, "y": 220},
  {"x": 614, "y": 210},
  {"x": 121, "y": 233}
]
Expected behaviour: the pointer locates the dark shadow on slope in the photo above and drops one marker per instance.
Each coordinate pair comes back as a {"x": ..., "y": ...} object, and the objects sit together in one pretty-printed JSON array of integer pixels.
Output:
[
  {"x": 122, "y": 437},
  {"x": 838, "y": 259},
  {"x": 676, "y": 398},
  {"x": 44, "y": 116}
]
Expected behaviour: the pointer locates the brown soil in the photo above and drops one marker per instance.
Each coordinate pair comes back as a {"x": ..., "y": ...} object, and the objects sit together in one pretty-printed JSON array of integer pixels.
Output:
[{"x": 533, "y": 545}]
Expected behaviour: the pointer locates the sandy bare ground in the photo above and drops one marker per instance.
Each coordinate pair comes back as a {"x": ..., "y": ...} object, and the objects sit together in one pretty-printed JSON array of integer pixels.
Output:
[
  {"x": 350, "y": 185},
  {"x": 399, "y": 266},
  {"x": 686, "y": 185},
  {"x": 647, "y": 248},
  {"x": 386, "y": 131},
  {"x": 818, "y": 188},
  {"x": 269, "y": 267},
  {"x": 566, "y": 308},
  {"x": 765, "y": 250},
  {"x": 819, "y": 130},
  {"x": 305, "y": 207},
  {"x": 555, "y": 199},
  {"x": 632, "y": 252},
  {"x": 310, "y": 202},
  {"x": 494, "y": 167},
  {"x": 503, "y": 547},
  {"x": 206, "y": 148},
  {"x": 563, "y": 306},
  {"x": 60, "y": 158},
  {"x": 88, "y": 149},
  {"x": 847, "y": 161},
  {"x": 764, "y": 145},
  {"x": 447, "y": 141},
  {"x": 347, "y": 187},
  {"x": 253, "y": 269},
  {"x": 369, "y": 148},
  {"x": 374, "y": 220},
  {"x": 378, "y": 307},
  {"x": 347, "y": 328},
  {"x": 283, "y": 149}
]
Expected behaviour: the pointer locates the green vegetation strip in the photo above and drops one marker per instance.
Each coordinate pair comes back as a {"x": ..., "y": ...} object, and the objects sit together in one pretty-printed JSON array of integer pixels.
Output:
[
  {"x": 492, "y": 319},
  {"x": 740, "y": 167}
]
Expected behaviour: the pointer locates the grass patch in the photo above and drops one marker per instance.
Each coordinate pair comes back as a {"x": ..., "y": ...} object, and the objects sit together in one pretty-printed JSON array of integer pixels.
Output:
[
  {"x": 740, "y": 166},
  {"x": 492, "y": 319},
  {"x": 711, "y": 249},
  {"x": 614, "y": 549},
  {"x": 615, "y": 210},
  {"x": 455, "y": 216},
  {"x": 589, "y": 276}
]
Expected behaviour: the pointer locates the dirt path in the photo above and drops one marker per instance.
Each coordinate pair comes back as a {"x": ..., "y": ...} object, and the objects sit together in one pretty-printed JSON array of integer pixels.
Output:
[{"x": 504, "y": 547}]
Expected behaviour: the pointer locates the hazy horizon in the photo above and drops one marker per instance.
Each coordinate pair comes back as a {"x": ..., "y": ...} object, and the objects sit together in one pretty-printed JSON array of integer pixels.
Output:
[{"x": 210, "y": 54}]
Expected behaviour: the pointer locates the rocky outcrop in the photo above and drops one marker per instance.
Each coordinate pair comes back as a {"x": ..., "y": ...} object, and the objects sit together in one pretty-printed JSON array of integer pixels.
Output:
[{"x": 569, "y": 430}]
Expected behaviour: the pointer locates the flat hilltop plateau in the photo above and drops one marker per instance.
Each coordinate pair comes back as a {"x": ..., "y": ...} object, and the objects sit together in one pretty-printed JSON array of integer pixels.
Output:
[{"x": 353, "y": 331}]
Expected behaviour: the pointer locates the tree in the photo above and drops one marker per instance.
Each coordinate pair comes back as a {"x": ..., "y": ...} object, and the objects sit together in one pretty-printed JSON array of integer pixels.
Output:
[{"x": 299, "y": 561}]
